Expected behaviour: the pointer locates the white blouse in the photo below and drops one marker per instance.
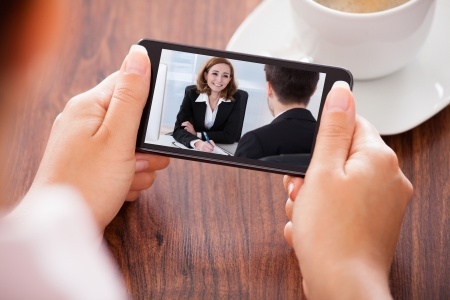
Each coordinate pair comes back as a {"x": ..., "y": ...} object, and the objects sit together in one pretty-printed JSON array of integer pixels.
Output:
[{"x": 210, "y": 115}]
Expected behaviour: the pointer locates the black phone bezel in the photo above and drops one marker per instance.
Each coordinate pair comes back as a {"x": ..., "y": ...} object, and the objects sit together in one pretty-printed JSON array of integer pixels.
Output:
[{"x": 154, "y": 49}]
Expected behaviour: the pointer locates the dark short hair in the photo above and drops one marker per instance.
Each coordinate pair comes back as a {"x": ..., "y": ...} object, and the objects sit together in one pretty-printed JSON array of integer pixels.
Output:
[
  {"x": 202, "y": 86},
  {"x": 292, "y": 85}
]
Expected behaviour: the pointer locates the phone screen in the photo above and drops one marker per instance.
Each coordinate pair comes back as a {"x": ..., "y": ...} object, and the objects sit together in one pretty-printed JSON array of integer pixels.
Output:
[{"x": 234, "y": 109}]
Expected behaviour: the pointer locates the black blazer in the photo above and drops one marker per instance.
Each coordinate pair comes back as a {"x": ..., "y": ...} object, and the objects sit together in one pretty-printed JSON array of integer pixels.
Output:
[
  {"x": 225, "y": 129},
  {"x": 290, "y": 133}
]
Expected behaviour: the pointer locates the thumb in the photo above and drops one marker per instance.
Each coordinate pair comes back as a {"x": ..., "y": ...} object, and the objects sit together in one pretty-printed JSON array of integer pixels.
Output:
[
  {"x": 129, "y": 97},
  {"x": 336, "y": 129}
]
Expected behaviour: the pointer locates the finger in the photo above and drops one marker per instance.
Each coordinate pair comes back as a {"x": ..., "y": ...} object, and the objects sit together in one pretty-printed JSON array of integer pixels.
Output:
[
  {"x": 367, "y": 130},
  {"x": 292, "y": 186},
  {"x": 206, "y": 147},
  {"x": 305, "y": 289},
  {"x": 212, "y": 143},
  {"x": 150, "y": 162},
  {"x": 132, "y": 196},
  {"x": 142, "y": 181},
  {"x": 83, "y": 105},
  {"x": 336, "y": 129},
  {"x": 186, "y": 125},
  {"x": 289, "y": 208},
  {"x": 288, "y": 233},
  {"x": 286, "y": 180},
  {"x": 103, "y": 91},
  {"x": 367, "y": 138},
  {"x": 129, "y": 97}
]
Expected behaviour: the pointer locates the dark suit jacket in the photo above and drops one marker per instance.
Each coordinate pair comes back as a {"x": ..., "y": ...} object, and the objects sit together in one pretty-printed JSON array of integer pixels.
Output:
[
  {"x": 225, "y": 128},
  {"x": 290, "y": 133}
]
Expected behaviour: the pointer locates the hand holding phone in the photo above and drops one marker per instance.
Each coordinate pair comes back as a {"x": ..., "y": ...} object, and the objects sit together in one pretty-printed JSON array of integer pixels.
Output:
[
  {"x": 91, "y": 149},
  {"x": 365, "y": 198},
  {"x": 262, "y": 113}
]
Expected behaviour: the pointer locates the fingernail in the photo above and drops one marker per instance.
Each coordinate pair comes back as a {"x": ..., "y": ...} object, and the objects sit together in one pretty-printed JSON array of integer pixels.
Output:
[
  {"x": 339, "y": 99},
  {"x": 341, "y": 84},
  {"x": 137, "y": 61},
  {"x": 290, "y": 188},
  {"x": 141, "y": 165}
]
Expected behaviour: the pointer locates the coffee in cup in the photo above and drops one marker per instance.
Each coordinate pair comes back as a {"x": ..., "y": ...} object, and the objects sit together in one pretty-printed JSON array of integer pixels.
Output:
[
  {"x": 361, "y": 6},
  {"x": 379, "y": 39}
]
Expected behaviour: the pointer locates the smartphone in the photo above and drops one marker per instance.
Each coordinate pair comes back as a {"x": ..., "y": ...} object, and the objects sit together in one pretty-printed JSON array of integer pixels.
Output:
[{"x": 234, "y": 109}]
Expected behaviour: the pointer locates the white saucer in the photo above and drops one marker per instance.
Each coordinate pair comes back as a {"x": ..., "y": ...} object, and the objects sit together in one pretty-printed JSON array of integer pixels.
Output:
[{"x": 395, "y": 103}]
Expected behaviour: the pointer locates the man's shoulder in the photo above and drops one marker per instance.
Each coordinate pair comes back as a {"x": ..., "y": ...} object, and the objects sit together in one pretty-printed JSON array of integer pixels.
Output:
[
  {"x": 248, "y": 136},
  {"x": 260, "y": 134},
  {"x": 250, "y": 145},
  {"x": 261, "y": 130}
]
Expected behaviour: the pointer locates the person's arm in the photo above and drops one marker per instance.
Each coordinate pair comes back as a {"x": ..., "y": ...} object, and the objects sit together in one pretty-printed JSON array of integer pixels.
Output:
[
  {"x": 92, "y": 143},
  {"x": 180, "y": 134},
  {"x": 347, "y": 212},
  {"x": 50, "y": 248}
]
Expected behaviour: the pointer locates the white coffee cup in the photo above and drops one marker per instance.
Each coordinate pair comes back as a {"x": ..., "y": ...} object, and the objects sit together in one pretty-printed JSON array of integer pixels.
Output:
[{"x": 370, "y": 45}]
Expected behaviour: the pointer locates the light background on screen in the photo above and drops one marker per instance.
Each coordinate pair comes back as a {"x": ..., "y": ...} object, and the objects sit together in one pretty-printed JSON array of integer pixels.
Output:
[{"x": 182, "y": 70}]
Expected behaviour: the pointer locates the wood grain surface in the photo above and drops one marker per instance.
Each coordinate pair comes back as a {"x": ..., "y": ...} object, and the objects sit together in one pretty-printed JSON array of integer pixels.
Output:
[{"x": 213, "y": 232}]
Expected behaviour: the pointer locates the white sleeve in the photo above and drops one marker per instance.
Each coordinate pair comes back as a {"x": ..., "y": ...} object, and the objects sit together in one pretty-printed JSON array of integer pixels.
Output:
[
  {"x": 49, "y": 249},
  {"x": 193, "y": 143}
]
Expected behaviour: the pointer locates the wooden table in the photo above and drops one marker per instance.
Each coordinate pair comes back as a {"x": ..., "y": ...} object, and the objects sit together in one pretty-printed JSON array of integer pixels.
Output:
[{"x": 211, "y": 232}]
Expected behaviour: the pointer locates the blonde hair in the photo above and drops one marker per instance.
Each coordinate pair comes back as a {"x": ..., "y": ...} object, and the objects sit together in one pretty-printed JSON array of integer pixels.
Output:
[{"x": 202, "y": 85}]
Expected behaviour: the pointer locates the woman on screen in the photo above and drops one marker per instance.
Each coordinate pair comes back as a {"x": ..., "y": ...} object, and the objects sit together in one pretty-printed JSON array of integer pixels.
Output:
[{"x": 211, "y": 111}]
